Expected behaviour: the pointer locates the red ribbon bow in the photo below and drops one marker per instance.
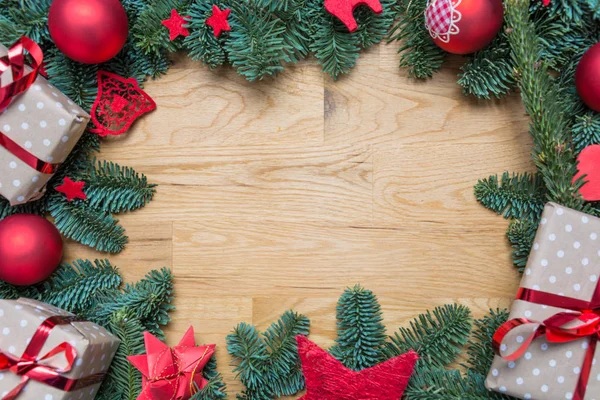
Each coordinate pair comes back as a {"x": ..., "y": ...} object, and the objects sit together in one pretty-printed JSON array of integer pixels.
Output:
[
  {"x": 559, "y": 328},
  {"x": 29, "y": 367}
]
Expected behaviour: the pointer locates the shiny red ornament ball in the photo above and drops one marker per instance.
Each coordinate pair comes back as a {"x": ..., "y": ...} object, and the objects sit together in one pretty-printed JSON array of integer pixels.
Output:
[
  {"x": 587, "y": 78},
  {"x": 464, "y": 26},
  {"x": 88, "y": 31},
  {"x": 30, "y": 249}
]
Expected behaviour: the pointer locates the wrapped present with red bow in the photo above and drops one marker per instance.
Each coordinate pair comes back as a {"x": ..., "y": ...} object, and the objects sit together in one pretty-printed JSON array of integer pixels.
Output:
[
  {"x": 39, "y": 125},
  {"x": 47, "y": 353},
  {"x": 549, "y": 346}
]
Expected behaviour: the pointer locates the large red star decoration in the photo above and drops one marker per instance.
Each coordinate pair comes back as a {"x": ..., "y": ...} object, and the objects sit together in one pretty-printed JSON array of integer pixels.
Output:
[
  {"x": 328, "y": 379},
  {"x": 172, "y": 373},
  {"x": 218, "y": 20},
  {"x": 344, "y": 10},
  {"x": 73, "y": 190},
  {"x": 175, "y": 25}
]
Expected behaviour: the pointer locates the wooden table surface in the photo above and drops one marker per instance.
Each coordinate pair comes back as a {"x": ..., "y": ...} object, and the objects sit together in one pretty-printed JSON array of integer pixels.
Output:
[{"x": 279, "y": 194}]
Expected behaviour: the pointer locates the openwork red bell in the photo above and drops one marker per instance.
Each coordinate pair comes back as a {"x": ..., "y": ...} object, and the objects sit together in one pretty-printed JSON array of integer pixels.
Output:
[{"x": 119, "y": 103}]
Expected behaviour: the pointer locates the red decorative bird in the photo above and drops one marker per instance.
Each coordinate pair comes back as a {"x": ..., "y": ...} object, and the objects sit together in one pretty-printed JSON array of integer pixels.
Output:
[
  {"x": 73, "y": 190},
  {"x": 175, "y": 25},
  {"x": 344, "y": 10},
  {"x": 328, "y": 379},
  {"x": 218, "y": 20}
]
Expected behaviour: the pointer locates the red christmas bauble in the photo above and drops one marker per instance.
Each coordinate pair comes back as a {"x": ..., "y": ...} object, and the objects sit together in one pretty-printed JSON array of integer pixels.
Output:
[
  {"x": 88, "y": 31},
  {"x": 587, "y": 78},
  {"x": 464, "y": 26},
  {"x": 30, "y": 249}
]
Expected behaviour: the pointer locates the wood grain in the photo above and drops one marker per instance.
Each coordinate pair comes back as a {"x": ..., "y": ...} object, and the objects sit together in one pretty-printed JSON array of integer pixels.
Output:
[{"x": 279, "y": 194}]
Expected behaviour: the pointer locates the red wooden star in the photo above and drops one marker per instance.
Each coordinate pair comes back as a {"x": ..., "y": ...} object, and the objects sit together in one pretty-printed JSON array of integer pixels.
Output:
[
  {"x": 73, "y": 190},
  {"x": 218, "y": 20},
  {"x": 344, "y": 10},
  {"x": 328, "y": 379},
  {"x": 175, "y": 25}
]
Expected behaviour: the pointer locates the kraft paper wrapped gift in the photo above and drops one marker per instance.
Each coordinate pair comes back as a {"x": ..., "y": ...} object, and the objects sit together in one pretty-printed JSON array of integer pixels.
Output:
[
  {"x": 559, "y": 292},
  {"x": 94, "y": 347},
  {"x": 45, "y": 124}
]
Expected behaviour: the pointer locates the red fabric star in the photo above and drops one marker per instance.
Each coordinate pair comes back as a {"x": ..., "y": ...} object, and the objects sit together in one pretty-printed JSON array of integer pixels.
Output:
[
  {"x": 344, "y": 10},
  {"x": 73, "y": 190},
  {"x": 172, "y": 373},
  {"x": 328, "y": 379},
  {"x": 175, "y": 25},
  {"x": 218, "y": 20},
  {"x": 546, "y": 2}
]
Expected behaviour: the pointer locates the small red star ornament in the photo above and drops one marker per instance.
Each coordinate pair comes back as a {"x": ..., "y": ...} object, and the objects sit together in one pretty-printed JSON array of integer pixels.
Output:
[
  {"x": 175, "y": 25},
  {"x": 218, "y": 20},
  {"x": 73, "y": 190},
  {"x": 328, "y": 379},
  {"x": 344, "y": 10}
]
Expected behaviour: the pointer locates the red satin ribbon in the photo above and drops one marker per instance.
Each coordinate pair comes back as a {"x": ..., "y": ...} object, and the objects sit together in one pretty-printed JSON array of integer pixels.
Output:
[
  {"x": 555, "y": 330},
  {"x": 15, "y": 62},
  {"x": 29, "y": 367}
]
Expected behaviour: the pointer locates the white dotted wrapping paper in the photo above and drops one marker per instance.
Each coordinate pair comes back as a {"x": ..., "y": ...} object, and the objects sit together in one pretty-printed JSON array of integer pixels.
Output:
[
  {"x": 48, "y": 125},
  {"x": 95, "y": 347},
  {"x": 565, "y": 260}
]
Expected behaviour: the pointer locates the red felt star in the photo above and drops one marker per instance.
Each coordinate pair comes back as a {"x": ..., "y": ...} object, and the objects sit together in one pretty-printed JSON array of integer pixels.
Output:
[
  {"x": 344, "y": 10},
  {"x": 218, "y": 20},
  {"x": 328, "y": 379},
  {"x": 175, "y": 25},
  {"x": 546, "y": 2},
  {"x": 73, "y": 190}
]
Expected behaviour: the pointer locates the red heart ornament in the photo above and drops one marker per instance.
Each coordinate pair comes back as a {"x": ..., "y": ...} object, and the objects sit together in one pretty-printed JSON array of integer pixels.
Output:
[{"x": 589, "y": 165}]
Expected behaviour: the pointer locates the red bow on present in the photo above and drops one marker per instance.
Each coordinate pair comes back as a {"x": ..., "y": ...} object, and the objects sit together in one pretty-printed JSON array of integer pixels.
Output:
[
  {"x": 172, "y": 373},
  {"x": 29, "y": 366},
  {"x": 15, "y": 61},
  {"x": 558, "y": 328}
]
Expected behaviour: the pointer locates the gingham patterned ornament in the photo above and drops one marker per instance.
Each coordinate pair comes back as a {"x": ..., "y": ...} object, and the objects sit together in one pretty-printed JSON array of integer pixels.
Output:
[
  {"x": 441, "y": 17},
  {"x": 463, "y": 26}
]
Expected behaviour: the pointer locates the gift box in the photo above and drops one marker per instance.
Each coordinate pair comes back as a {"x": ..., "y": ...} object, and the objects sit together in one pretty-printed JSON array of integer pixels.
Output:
[
  {"x": 47, "y": 353},
  {"x": 39, "y": 126},
  {"x": 548, "y": 347}
]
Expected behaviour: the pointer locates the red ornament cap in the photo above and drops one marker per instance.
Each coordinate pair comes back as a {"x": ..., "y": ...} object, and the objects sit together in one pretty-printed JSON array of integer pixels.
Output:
[
  {"x": 119, "y": 103},
  {"x": 344, "y": 10},
  {"x": 328, "y": 379},
  {"x": 73, "y": 190},
  {"x": 175, "y": 25},
  {"x": 589, "y": 165},
  {"x": 218, "y": 20}
]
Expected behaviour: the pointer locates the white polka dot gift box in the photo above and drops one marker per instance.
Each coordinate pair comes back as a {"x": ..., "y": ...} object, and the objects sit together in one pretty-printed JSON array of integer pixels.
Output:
[
  {"x": 39, "y": 126},
  {"x": 549, "y": 347},
  {"x": 48, "y": 354}
]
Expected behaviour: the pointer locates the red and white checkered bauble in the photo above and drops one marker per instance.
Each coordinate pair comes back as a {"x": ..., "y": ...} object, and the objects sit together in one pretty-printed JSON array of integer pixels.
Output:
[{"x": 463, "y": 26}]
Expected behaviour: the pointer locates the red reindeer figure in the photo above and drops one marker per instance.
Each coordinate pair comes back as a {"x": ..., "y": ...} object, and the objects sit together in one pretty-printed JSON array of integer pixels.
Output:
[{"x": 344, "y": 9}]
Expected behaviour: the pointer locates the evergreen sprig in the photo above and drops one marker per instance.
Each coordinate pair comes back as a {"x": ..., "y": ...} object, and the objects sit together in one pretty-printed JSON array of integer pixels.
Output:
[
  {"x": 517, "y": 196},
  {"x": 479, "y": 349},
  {"x": 521, "y": 234},
  {"x": 361, "y": 333},
  {"x": 586, "y": 130}
]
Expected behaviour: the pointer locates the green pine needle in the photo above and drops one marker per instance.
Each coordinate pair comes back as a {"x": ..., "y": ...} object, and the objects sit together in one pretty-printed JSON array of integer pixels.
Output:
[
  {"x": 521, "y": 234},
  {"x": 24, "y": 18},
  {"x": 436, "y": 336},
  {"x": 480, "y": 351},
  {"x": 586, "y": 130},
  {"x": 77, "y": 81},
  {"x": 116, "y": 189},
  {"x": 95, "y": 228},
  {"x": 517, "y": 196},
  {"x": 361, "y": 333},
  {"x": 202, "y": 44}
]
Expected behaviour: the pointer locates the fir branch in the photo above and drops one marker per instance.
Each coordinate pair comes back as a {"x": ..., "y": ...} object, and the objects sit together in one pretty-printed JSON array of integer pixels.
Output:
[
  {"x": 78, "y": 160},
  {"x": 249, "y": 353},
  {"x": 77, "y": 81},
  {"x": 586, "y": 130},
  {"x": 115, "y": 189},
  {"x": 72, "y": 286},
  {"x": 372, "y": 28},
  {"x": 25, "y": 18},
  {"x": 88, "y": 226},
  {"x": 38, "y": 207},
  {"x": 216, "y": 388},
  {"x": 479, "y": 349},
  {"x": 552, "y": 153},
  {"x": 334, "y": 48},
  {"x": 256, "y": 46},
  {"x": 418, "y": 52},
  {"x": 297, "y": 36},
  {"x": 361, "y": 333},
  {"x": 521, "y": 234},
  {"x": 148, "y": 300},
  {"x": 202, "y": 44},
  {"x": 489, "y": 71},
  {"x": 517, "y": 196},
  {"x": 149, "y": 34},
  {"x": 436, "y": 336}
]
